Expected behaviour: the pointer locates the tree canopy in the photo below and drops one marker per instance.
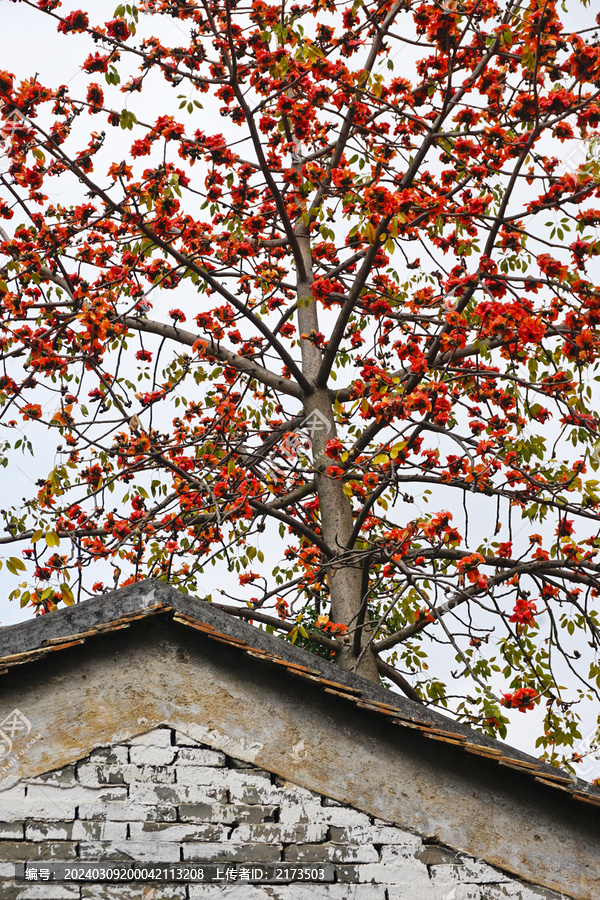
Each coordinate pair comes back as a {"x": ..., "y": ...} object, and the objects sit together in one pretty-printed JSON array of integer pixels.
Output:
[{"x": 304, "y": 307}]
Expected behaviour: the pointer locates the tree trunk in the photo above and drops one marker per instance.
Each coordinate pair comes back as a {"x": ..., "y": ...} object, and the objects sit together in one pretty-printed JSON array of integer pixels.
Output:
[{"x": 345, "y": 580}]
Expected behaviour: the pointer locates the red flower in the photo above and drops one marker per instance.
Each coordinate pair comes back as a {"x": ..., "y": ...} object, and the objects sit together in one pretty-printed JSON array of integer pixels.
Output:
[
  {"x": 248, "y": 577},
  {"x": 96, "y": 63},
  {"x": 6, "y": 82},
  {"x": 118, "y": 29},
  {"x": 75, "y": 21},
  {"x": 524, "y": 612},
  {"x": 333, "y": 627},
  {"x": 143, "y": 355},
  {"x": 95, "y": 95},
  {"x": 177, "y": 315},
  {"x": 424, "y": 615},
  {"x": 565, "y": 527},
  {"x": 522, "y": 699},
  {"x": 141, "y": 147},
  {"x": 282, "y": 607},
  {"x": 31, "y": 411},
  {"x": 149, "y": 397}
]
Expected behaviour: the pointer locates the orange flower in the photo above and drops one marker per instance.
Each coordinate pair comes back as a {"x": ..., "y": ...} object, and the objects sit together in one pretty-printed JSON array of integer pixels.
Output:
[{"x": 32, "y": 411}]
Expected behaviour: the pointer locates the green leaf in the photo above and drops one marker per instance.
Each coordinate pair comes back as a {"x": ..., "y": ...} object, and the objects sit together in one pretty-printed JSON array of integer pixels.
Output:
[
  {"x": 395, "y": 450},
  {"x": 15, "y": 565},
  {"x": 52, "y": 539}
]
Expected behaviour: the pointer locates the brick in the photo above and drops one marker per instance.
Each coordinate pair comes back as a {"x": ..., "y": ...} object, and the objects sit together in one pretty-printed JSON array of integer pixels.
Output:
[
  {"x": 135, "y": 851},
  {"x": 255, "y": 814},
  {"x": 251, "y": 788},
  {"x": 9, "y": 798},
  {"x": 434, "y": 855},
  {"x": 77, "y": 794},
  {"x": 226, "y": 814},
  {"x": 11, "y": 830},
  {"x": 96, "y": 775},
  {"x": 243, "y": 891},
  {"x": 349, "y": 874},
  {"x": 110, "y": 756},
  {"x": 158, "y": 737},
  {"x": 75, "y": 831},
  {"x": 330, "y": 852},
  {"x": 184, "y": 740},
  {"x": 97, "y": 830},
  {"x": 474, "y": 892},
  {"x": 40, "y": 809},
  {"x": 148, "y": 774},
  {"x": 126, "y": 812},
  {"x": 298, "y": 805},
  {"x": 11, "y": 794},
  {"x": 149, "y": 794},
  {"x": 201, "y": 812},
  {"x": 512, "y": 891},
  {"x": 238, "y": 781},
  {"x": 152, "y": 756},
  {"x": 407, "y": 872},
  {"x": 446, "y": 874},
  {"x": 22, "y": 850},
  {"x": 479, "y": 871},
  {"x": 179, "y": 831},
  {"x": 200, "y": 756},
  {"x": 376, "y": 834},
  {"x": 397, "y": 854},
  {"x": 410, "y": 891},
  {"x": 44, "y": 892},
  {"x": 58, "y": 777},
  {"x": 209, "y": 852},
  {"x": 291, "y": 789},
  {"x": 212, "y": 775},
  {"x": 344, "y": 817},
  {"x": 259, "y": 773},
  {"x": 133, "y": 892},
  {"x": 275, "y": 832},
  {"x": 48, "y": 831}
]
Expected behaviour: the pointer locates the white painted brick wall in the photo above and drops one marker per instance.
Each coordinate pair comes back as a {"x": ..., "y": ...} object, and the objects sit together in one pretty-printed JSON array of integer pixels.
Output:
[{"x": 165, "y": 797}]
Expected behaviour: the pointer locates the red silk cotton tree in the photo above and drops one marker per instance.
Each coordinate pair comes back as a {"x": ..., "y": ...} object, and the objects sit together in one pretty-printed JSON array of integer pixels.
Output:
[{"x": 328, "y": 322}]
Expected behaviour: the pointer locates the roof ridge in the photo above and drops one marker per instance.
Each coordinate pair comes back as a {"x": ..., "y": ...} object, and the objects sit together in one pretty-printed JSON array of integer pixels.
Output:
[{"x": 30, "y": 641}]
